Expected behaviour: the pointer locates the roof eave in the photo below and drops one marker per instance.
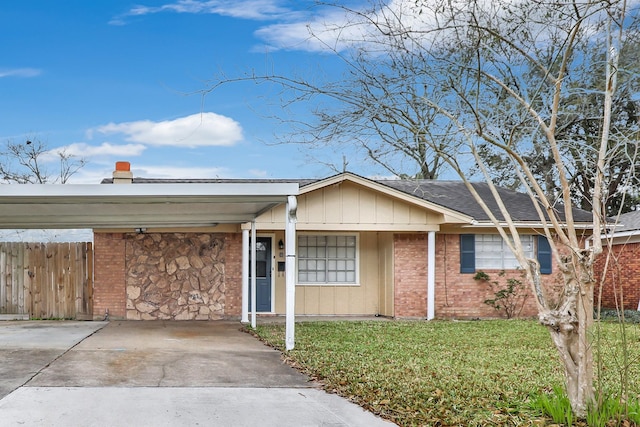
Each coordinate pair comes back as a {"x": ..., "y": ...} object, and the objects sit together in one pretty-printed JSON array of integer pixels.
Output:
[{"x": 523, "y": 224}]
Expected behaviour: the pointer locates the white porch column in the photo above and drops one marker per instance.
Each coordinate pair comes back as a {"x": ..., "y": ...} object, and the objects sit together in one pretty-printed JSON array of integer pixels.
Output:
[
  {"x": 245, "y": 274},
  {"x": 290, "y": 268},
  {"x": 253, "y": 274},
  {"x": 431, "y": 275}
]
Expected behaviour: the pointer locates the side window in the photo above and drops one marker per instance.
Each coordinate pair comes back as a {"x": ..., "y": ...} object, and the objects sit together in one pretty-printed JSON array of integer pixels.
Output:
[{"x": 489, "y": 251}]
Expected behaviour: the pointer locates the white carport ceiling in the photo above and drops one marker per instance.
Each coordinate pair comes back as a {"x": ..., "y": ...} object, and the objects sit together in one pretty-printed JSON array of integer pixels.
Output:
[{"x": 137, "y": 205}]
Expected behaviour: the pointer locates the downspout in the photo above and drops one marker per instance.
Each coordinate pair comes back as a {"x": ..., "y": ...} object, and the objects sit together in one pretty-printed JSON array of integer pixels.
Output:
[
  {"x": 245, "y": 274},
  {"x": 290, "y": 268},
  {"x": 431, "y": 274}
]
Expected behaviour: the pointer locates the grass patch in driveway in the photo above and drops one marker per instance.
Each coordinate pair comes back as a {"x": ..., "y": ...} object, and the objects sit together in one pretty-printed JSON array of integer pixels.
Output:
[{"x": 439, "y": 373}]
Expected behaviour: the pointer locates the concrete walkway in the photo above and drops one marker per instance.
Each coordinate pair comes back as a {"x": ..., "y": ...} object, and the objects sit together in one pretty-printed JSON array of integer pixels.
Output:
[{"x": 156, "y": 374}]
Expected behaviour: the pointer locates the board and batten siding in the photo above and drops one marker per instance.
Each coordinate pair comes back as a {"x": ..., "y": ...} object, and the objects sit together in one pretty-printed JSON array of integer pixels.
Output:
[
  {"x": 360, "y": 299},
  {"x": 385, "y": 274},
  {"x": 350, "y": 206}
]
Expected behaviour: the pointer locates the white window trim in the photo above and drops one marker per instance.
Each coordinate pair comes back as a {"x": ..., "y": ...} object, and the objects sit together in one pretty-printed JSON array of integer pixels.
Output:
[{"x": 326, "y": 284}]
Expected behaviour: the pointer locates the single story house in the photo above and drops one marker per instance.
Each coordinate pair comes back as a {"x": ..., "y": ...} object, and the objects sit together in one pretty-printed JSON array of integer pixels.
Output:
[
  {"x": 343, "y": 245},
  {"x": 618, "y": 266},
  {"x": 396, "y": 248}
]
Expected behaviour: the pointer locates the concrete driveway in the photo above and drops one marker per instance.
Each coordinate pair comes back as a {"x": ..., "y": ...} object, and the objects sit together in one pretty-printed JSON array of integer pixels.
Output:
[{"x": 156, "y": 374}]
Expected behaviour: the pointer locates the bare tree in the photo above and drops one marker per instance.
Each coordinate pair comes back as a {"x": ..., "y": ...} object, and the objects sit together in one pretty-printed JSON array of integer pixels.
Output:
[
  {"x": 460, "y": 81},
  {"x": 26, "y": 163},
  {"x": 580, "y": 123}
]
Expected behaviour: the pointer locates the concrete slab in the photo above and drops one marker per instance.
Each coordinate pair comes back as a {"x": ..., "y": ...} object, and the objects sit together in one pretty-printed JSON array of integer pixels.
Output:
[
  {"x": 171, "y": 354},
  {"x": 171, "y": 407},
  {"x": 28, "y": 347},
  {"x": 157, "y": 374},
  {"x": 45, "y": 334}
]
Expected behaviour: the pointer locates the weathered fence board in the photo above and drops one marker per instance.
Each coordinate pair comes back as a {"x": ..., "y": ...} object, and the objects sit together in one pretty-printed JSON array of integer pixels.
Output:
[{"x": 47, "y": 280}]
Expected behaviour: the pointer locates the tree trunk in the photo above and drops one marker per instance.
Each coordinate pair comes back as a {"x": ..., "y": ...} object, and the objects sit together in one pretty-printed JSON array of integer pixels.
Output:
[{"x": 570, "y": 328}]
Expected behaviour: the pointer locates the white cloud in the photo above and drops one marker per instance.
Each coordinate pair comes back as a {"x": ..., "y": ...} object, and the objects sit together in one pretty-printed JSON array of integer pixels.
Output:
[
  {"x": 327, "y": 29},
  {"x": 197, "y": 130},
  {"x": 81, "y": 149},
  {"x": 337, "y": 29},
  {"x": 19, "y": 72},
  {"x": 243, "y": 9}
]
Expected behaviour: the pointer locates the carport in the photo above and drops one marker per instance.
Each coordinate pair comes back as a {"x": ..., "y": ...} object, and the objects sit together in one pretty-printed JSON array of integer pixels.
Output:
[{"x": 142, "y": 206}]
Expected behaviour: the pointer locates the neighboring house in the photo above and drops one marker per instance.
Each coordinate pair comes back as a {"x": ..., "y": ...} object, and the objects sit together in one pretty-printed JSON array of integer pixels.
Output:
[
  {"x": 404, "y": 249},
  {"x": 621, "y": 256}
]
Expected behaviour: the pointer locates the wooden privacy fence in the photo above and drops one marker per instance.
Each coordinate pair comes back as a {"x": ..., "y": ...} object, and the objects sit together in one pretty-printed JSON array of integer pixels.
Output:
[{"x": 46, "y": 280}]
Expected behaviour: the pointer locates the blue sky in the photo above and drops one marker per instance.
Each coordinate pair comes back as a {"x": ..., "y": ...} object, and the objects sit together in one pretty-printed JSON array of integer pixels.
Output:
[{"x": 118, "y": 80}]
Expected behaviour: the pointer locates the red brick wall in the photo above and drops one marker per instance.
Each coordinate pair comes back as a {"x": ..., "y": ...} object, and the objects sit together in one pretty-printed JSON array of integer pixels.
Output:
[
  {"x": 621, "y": 282},
  {"x": 109, "y": 275},
  {"x": 233, "y": 275},
  {"x": 457, "y": 295},
  {"x": 410, "y": 275}
]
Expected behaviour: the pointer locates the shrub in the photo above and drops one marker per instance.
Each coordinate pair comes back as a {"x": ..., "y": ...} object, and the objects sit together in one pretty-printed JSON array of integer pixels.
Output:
[{"x": 508, "y": 297}]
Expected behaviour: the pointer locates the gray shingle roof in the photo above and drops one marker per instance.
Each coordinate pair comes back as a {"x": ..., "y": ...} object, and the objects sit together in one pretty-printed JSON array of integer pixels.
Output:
[
  {"x": 453, "y": 195},
  {"x": 628, "y": 222}
]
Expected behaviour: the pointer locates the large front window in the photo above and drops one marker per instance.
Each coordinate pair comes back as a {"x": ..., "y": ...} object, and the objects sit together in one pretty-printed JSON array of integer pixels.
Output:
[{"x": 327, "y": 259}]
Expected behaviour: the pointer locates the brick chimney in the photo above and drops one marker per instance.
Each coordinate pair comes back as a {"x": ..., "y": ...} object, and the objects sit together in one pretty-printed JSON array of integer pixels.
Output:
[{"x": 122, "y": 174}]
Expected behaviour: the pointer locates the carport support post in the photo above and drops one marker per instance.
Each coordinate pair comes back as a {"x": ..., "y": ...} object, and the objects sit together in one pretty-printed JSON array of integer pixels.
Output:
[
  {"x": 253, "y": 274},
  {"x": 245, "y": 275},
  {"x": 290, "y": 268},
  {"x": 431, "y": 275}
]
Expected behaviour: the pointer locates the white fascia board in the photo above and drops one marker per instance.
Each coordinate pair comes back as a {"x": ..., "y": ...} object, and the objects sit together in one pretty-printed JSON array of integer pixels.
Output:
[
  {"x": 489, "y": 224},
  {"x": 620, "y": 234},
  {"x": 173, "y": 190}
]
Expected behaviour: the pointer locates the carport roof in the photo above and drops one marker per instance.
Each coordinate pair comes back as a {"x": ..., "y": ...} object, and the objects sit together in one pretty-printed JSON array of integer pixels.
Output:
[{"x": 137, "y": 206}]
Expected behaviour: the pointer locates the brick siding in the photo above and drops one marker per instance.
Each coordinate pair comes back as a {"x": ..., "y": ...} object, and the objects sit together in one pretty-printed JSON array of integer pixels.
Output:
[
  {"x": 109, "y": 275},
  {"x": 457, "y": 295},
  {"x": 621, "y": 282},
  {"x": 410, "y": 272},
  {"x": 233, "y": 274}
]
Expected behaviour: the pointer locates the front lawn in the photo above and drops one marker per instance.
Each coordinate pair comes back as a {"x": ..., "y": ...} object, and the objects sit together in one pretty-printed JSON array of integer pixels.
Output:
[{"x": 442, "y": 373}]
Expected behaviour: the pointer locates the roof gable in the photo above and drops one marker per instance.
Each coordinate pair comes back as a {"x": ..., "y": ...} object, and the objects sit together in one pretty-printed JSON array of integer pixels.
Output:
[{"x": 450, "y": 215}]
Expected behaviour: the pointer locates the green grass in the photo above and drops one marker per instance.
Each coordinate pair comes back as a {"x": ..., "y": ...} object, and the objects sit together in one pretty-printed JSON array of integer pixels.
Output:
[{"x": 442, "y": 373}]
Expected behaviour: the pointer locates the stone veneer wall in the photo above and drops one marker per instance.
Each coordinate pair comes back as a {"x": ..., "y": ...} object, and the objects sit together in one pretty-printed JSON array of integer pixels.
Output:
[{"x": 175, "y": 276}]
